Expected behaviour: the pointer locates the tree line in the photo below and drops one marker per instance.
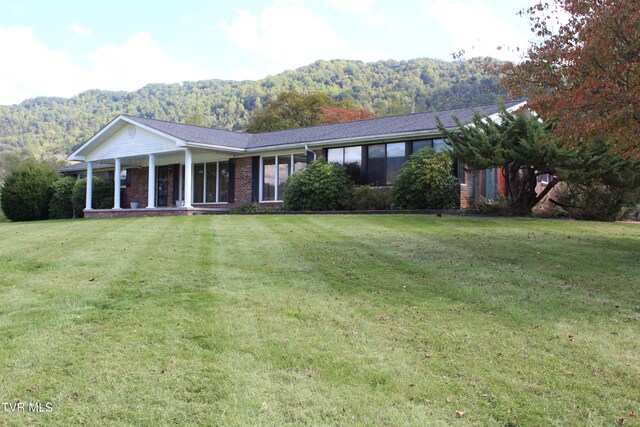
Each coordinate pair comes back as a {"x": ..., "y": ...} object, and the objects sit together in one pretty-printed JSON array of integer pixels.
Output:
[{"x": 50, "y": 126}]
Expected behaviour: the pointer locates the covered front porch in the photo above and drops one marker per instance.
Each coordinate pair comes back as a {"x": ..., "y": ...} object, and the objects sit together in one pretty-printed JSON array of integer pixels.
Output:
[
  {"x": 182, "y": 182},
  {"x": 154, "y": 171}
]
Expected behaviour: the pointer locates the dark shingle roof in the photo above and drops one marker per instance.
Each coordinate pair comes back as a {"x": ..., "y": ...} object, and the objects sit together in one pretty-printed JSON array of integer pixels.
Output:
[
  {"x": 82, "y": 166},
  {"x": 198, "y": 134},
  {"x": 417, "y": 122},
  {"x": 371, "y": 127}
]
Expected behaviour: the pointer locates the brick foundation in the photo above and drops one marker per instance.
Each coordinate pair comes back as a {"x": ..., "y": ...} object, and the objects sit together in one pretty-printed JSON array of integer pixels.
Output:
[{"x": 129, "y": 213}]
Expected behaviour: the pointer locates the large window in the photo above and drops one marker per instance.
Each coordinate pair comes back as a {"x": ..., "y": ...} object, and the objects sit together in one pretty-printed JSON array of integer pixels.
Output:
[
  {"x": 379, "y": 164},
  {"x": 395, "y": 159},
  {"x": 275, "y": 171},
  {"x": 491, "y": 183},
  {"x": 375, "y": 164},
  {"x": 384, "y": 161},
  {"x": 211, "y": 182},
  {"x": 350, "y": 158}
]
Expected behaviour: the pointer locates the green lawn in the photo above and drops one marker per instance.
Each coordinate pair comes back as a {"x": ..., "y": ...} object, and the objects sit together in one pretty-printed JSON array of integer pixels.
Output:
[{"x": 325, "y": 320}]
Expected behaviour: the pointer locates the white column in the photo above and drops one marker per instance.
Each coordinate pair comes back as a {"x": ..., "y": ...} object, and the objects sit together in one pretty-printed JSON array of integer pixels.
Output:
[
  {"x": 116, "y": 184},
  {"x": 188, "y": 180},
  {"x": 151, "y": 195},
  {"x": 89, "y": 195}
]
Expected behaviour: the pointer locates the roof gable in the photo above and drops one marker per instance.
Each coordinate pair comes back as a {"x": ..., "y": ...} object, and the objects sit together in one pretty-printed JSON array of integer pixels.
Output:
[{"x": 130, "y": 140}]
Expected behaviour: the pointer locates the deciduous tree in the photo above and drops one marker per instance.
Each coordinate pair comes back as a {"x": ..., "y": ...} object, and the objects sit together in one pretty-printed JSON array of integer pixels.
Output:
[
  {"x": 344, "y": 114},
  {"x": 292, "y": 110},
  {"x": 584, "y": 74}
]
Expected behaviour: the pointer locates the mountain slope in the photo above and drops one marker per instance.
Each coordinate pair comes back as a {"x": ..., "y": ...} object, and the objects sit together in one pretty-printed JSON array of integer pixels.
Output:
[{"x": 54, "y": 126}]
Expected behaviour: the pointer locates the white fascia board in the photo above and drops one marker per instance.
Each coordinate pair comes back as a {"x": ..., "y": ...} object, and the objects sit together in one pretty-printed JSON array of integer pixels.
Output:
[
  {"x": 76, "y": 154},
  {"x": 212, "y": 147},
  {"x": 355, "y": 140},
  {"x": 495, "y": 117}
]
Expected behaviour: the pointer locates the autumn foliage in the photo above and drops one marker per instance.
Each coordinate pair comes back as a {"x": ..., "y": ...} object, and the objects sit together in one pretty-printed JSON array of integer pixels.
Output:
[
  {"x": 344, "y": 114},
  {"x": 292, "y": 109},
  {"x": 583, "y": 74}
]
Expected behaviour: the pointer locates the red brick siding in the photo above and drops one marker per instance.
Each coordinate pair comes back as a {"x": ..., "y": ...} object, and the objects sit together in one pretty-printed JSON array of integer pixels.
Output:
[
  {"x": 464, "y": 194},
  {"x": 242, "y": 182},
  {"x": 137, "y": 191}
]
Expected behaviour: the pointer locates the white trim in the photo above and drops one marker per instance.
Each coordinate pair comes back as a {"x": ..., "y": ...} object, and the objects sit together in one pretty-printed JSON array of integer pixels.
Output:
[
  {"x": 212, "y": 147},
  {"x": 76, "y": 154},
  {"x": 205, "y": 182},
  {"x": 292, "y": 170}
]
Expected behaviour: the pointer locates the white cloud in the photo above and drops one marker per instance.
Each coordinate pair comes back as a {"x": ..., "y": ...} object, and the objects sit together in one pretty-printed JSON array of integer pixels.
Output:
[
  {"x": 474, "y": 27},
  {"x": 32, "y": 69},
  {"x": 137, "y": 62},
  {"x": 290, "y": 35},
  {"x": 78, "y": 29},
  {"x": 364, "y": 9}
]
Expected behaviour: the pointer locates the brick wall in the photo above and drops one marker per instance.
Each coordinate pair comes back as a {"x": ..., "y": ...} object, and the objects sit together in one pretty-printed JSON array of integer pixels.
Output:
[
  {"x": 464, "y": 196},
  {"x": 137, "y": 191},
  {"x": 242, "y": 182}
]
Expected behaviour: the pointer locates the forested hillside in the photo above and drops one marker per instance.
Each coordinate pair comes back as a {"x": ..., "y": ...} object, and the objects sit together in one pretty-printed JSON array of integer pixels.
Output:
[{"x": 54, "y": 126}]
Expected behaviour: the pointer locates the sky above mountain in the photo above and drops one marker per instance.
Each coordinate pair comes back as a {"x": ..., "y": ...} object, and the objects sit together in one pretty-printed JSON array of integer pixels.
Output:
[{"x": 60, "y": 48}]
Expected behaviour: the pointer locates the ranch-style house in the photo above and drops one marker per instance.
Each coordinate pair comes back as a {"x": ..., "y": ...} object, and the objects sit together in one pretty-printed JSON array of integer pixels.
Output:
[{"x": 164, "y": 168}]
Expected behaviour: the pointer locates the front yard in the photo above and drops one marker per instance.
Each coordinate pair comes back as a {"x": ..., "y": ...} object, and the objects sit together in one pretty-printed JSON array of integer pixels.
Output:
[{"x": 368, "y": 320}]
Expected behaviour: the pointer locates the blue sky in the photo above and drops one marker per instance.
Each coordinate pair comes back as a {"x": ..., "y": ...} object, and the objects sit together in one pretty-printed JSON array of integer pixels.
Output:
[{"x": 60, "y": 48}]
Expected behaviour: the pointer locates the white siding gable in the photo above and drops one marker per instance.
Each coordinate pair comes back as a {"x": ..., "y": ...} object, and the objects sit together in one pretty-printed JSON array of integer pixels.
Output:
[{"x": 123, "y": 144}]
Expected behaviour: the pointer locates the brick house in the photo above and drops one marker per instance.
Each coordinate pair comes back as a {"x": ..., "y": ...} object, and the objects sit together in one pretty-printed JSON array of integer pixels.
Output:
[{"x": 165, "y": 168}]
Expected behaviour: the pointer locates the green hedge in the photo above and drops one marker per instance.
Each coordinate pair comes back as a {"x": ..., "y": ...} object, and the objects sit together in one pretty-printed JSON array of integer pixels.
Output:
[
  {"x": 26, "y": 192},
  {"x": 61, "y": 205},
  {"x": 321, "y": 186},
  {"x": 102, "y": 195},
  {"x": 425, "y": 182}
]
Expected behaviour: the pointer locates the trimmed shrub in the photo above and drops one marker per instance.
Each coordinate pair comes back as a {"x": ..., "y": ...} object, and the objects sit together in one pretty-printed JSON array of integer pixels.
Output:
[
  {"x": 102, "y": 195},
  {"x": 425, "y": 182},
  {"x": 596, "y": 201},
  {"x": 61, "y": 205},
  {"x": 26, "y": 192},
  {"x": 321, "y": 186},
  {"x": 366, "y": 198}
]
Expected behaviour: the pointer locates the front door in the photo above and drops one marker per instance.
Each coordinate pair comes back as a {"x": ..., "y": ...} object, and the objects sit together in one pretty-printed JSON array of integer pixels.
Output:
[{"x": 163, "y": 186}]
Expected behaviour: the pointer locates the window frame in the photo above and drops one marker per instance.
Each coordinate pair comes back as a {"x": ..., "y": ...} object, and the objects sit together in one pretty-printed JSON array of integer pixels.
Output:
[
  {"x": 292, "y": 167},
  {"x": 204, "y": 185}
]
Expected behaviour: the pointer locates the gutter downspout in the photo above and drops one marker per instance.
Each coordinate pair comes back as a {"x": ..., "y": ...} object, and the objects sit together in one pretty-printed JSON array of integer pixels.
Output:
[{"x": 306, "y": 148}]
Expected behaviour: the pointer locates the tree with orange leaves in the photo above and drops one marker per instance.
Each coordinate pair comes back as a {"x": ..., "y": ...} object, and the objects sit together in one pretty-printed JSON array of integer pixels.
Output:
[
  {"x": 583, "y": 74},
  {"x": 344, "y": 114}
]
